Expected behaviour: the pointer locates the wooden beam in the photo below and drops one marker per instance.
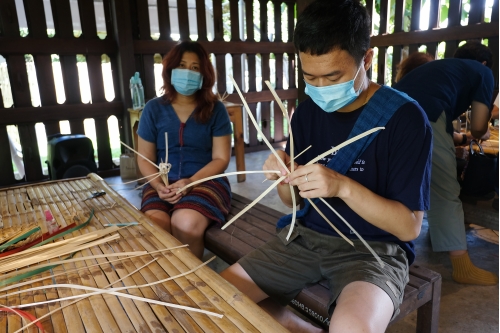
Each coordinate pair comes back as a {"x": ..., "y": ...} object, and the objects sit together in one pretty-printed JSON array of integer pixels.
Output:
[
  {"x": 216, "y": 47},
  {"x": 58, "y": 112},
  {"x": 484, "y": 30},
  {"x": 61, "y": 46}
]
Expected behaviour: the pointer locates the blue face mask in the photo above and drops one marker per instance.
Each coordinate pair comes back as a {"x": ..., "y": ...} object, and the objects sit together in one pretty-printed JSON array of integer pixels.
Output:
[
  {"x": 333, "y": 97},
  {"x": 186, "y": 82}
]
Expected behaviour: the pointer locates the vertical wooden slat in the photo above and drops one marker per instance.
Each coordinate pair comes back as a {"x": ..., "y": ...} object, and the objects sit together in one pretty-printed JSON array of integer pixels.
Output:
[
  {"x": 220, "y": 63},
  {"x": 384, "y": 16},
  {"x": 279, "y": 70},
  {"x": 76, "y": 126},
  {"x": 252, "y": 72},
  {"x": 87, "y": 19},
  {"x": 291, "y": 19},
  {"x": 218, "y": 27},
  {"x": 494, "y": 12},
  {"x": 370, "y": 9},
  {"x": 396, "y": 59},
  {"x": 252, "y": 131},
  {"x": 201, "y": 20},
  {"x": 237, "y": 71},
  {"x": 249, "y": 20},
  {"x": 265, "y": 119},
  {"x": 278, "y": 114},
  {"x": 413, "y": 48},
  {"x": 16, "y": 67},
  {"x": 109, "y": 18},
  {"x": 264, "y": 37},
  {"x": 164, "y": 19},
  {"x": 399, "y": 15},
  {"x": 148, "y": 79},
  {"x": 70, "y": 78},
  {"x": 61, "y": 12},
  {"x": 432, "y": 49},
  {"x": 277, "y": 21},
  {"x": 265, "y": 107},
  {"x": 35, "y": 15},
  {"x": 291, "y": 70},
  {"x": 382, "y": 62},
  {"x": 31, "y": 155},
  {"x": 454, "y": 13},
  {"x": 8, "y": 18},
  {"x": 476, "y": 12},
  {"x": 45, "y": 77},
  {"x": 103, "y": 145},
  {"x": 451, "y": 47},
  {"x": 416, "y": 6},
  {"x": 6, "y": 169},
  {"x": 235, "y": 21},
  {"x": 143, "y": 20},
  {"x": 95, "y": 78},
  {"x": 51, "y": 128},
  {"x": 125, "y": 60},
  {"x": 182, "y": 14},
  {"x": 434, "y": 14}
]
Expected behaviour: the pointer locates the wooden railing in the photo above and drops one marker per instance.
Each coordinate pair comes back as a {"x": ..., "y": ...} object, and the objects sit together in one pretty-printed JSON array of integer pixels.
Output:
[{"x": 131, "y": 48}]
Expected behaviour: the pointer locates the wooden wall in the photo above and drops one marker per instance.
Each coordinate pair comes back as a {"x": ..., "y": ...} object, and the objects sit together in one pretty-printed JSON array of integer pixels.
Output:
[{"x": 131, "y": 48}]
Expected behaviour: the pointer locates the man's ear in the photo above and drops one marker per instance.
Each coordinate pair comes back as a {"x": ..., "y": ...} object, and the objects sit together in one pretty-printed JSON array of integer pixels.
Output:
[{"x": 368, "y": 59}]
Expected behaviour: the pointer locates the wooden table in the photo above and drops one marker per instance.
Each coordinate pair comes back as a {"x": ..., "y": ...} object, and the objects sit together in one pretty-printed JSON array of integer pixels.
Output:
[
  {"x": 235, "y": 112},
  {"x": 203, "y": 289}
]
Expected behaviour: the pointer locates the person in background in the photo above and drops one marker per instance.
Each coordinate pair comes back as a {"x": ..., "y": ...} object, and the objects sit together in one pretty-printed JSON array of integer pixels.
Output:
[
  {"x": 414, "y": 60},
  {"x": 445, "y": 89},
  {"x": 199, "y": 146},
  {"x": 380, "y": 184},
  {"x": 417, "y": 59},
  {"x": 494, "y": 111}
]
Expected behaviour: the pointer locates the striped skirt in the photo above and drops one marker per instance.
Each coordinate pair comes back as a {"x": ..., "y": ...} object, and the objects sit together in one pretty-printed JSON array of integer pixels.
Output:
[{"x": 211, "y": 199}]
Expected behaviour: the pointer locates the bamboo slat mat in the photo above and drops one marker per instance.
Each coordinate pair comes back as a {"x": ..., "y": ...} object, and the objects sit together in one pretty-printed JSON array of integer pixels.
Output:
[{"x": 202, "y": 289}]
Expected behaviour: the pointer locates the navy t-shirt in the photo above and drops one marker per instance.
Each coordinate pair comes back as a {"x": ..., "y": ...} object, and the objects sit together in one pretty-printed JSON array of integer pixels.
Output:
[
  {"x": 396, "y": 165},
  {"x": 448, "y": 85},
  {"x": 189, "y": 143}
]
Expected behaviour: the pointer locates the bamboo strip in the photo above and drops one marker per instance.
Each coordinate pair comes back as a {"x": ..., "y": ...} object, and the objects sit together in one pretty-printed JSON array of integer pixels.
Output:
[
  {"x": 330, "y": 223},
  {"x": 345, "y": 143},
  {"x": 227, "y": 292},
  {"x": 225, "y": 175},
  {"x": 257, "y": 127},
  {"x": 355, "y": 232},
  {"x": 104, "y": 308},
  {"x": 71, "y": 316},
  {"x": 169, "y": 290},
  {"x": 170, "y": 318},
  {"x": 243, "y": 211}
]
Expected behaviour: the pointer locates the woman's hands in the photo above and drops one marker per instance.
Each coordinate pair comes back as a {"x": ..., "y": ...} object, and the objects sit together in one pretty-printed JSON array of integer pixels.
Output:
[
  {"x": 318, "y": 181},
  {"x": 169, "y": 193}
]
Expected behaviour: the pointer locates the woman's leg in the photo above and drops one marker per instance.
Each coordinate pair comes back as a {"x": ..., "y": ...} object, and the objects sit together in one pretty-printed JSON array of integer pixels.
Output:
[
  {"x": 161, "y": 218},
  {"x": 189, "y": 226}
]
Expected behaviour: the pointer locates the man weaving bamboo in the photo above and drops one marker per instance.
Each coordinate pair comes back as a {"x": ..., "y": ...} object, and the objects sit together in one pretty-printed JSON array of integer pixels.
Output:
[{"x": 379, "y": 184}]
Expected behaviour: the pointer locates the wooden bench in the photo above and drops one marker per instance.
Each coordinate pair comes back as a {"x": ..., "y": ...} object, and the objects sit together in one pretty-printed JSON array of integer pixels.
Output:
[{"x": 257, "y": 226}]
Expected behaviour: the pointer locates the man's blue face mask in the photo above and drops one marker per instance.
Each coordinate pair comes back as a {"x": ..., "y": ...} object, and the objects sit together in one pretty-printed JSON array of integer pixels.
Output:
[
  {"x": 186, "y": 82},
  {"x": 336, "y": 96}
]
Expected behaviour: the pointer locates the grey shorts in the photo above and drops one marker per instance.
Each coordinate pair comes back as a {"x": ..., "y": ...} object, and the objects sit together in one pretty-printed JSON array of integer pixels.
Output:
[{"x": 283, "y": 268}]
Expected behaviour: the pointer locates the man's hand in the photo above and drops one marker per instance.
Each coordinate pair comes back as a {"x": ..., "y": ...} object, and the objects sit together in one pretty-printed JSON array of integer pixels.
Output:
[
  {"x": 272, "y": 163},
  {"x": 318, "y": 181}
]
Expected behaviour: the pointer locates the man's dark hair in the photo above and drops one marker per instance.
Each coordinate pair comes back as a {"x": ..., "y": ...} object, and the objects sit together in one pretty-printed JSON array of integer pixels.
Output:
[
  {"x": 474, "y": 50},
  {"x": 333, "y": 24}
]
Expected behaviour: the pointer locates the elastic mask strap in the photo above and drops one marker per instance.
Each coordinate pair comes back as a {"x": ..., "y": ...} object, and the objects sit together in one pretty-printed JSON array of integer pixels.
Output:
[{"x": 355, "y": 76}]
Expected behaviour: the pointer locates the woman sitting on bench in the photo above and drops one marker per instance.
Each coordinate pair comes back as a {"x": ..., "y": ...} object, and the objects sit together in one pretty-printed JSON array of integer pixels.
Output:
[{"x": 199, "y": 146}]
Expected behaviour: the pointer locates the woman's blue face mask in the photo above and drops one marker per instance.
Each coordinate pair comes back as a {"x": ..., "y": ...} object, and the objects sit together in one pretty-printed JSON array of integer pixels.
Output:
[
  {"x": 186, "y": 82},
  {"x": 336, "y": 96}
]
